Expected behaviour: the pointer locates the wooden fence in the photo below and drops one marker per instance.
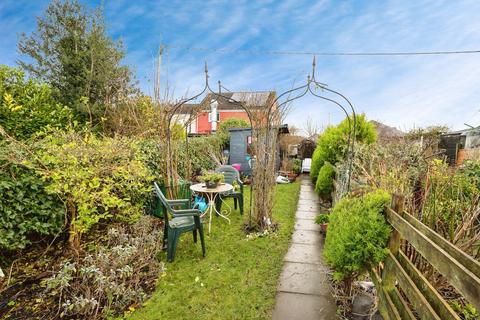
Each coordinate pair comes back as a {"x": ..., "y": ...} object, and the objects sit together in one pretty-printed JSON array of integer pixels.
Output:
[{"x": 397, "y": 271}]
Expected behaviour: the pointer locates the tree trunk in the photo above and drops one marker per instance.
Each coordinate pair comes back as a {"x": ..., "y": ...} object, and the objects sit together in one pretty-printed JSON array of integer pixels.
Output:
[{"x": 73, "y": 234}]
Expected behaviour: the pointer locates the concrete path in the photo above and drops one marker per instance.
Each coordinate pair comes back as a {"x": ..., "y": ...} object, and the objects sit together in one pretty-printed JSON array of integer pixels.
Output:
[{"x": 304, "y": 291}]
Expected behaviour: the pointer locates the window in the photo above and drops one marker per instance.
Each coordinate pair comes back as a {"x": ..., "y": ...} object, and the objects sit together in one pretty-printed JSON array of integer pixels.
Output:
[{"x": 210, "y": 117}]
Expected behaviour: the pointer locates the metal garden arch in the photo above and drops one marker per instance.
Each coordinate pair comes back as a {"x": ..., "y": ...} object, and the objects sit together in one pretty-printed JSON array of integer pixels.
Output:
[{"x": 310, "y": 86}]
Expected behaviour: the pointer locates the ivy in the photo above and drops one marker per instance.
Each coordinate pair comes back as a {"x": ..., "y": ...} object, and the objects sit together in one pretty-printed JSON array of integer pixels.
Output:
[{"x": 26, "y": 208}]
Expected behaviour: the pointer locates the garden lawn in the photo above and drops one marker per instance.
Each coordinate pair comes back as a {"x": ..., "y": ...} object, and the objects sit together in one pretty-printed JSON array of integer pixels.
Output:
[{"x": 238, "y": 277}]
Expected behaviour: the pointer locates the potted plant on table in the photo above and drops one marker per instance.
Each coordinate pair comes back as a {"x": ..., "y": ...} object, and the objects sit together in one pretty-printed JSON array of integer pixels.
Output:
[
  {"x": 211, "y": 179},
  {"x": 322, "y": 220}
]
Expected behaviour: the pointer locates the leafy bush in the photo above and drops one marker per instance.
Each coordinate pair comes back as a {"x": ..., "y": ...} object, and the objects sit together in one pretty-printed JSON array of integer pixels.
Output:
[
  {"x": 114, "y": 277},
  {"x": 26, "y": 106},
  {"x": 224, "y": 126},
  {"x": 203, "y": 153},
  {"x": 297, "y": 166},
  {"x": 96, "y": 178},
  {"x": 357, "y": 235},
  {"x": 329, "y": 149},
  {"x": 322, "y": 218},
  {"x": 26, "y": 208},
  {"x": 395, "y": 166},
  {"x": 471, "y": 168},
  {"x": 467, "y": 310},
  {"x": 333, "y": 142},
  {"x": 324, "y": 184},
  {"x": 450, "y": 201},
  {"x": 211, "y": 177}
]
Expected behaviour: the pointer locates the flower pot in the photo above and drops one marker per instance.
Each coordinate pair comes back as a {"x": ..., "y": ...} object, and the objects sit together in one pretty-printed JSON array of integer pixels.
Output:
[
  {"x": 211, "y": 184},
  {"x": 323, "y": 227},
  {"x": 292, "y": 176}
]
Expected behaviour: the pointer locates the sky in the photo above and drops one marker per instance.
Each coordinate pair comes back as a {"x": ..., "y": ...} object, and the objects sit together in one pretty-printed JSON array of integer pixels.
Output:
[{"x": 400, "y": 91}]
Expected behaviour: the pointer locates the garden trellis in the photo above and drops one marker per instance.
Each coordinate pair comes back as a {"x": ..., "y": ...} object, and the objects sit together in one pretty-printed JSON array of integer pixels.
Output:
[{"x": 263, "y": 129}]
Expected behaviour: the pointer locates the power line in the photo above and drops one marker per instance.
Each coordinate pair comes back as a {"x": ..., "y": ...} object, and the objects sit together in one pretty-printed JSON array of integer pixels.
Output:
[{"x": 319, "y": 53}]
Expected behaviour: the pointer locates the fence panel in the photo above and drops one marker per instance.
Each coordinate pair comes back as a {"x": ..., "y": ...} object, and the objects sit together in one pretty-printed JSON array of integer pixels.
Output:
[{"x": 399, "y": 274}]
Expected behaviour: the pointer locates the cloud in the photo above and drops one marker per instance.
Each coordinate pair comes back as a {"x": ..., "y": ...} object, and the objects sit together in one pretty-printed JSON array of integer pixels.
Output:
[{"x": 401, "y": 91}]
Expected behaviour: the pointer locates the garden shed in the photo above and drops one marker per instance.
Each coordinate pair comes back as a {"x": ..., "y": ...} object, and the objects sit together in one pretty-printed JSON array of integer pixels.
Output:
[
  {"x": 461, "y": 145},
  {"x": 240, "y": 140}
]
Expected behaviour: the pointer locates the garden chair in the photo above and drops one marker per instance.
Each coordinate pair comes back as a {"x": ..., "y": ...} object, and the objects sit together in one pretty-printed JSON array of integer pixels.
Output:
[
  {"x": 183, "y": 220},
  {"x": 232, "y": 176}
]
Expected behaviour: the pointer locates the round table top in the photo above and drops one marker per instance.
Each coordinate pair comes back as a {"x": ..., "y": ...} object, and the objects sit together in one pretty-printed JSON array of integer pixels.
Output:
[{"x": 201, "y": 187}]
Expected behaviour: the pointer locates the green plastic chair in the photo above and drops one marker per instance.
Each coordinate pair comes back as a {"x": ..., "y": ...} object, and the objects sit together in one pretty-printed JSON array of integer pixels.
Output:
[
  {"x": 183, "y": 220},
  {"x": 231, "y": 176}
]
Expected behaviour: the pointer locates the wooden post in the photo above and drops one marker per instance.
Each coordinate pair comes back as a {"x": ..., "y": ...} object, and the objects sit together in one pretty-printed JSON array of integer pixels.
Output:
[
  {"x": 388, "y": 279},
  {"x": 397, "y": 206}
]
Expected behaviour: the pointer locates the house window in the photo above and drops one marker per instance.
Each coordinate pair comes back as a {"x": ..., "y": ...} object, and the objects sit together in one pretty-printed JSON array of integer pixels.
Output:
[{"x": 210, "y": 117}]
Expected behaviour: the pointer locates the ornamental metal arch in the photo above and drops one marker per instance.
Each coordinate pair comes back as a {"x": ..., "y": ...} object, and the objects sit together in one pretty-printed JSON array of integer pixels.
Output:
[{"x": 309, "y": 87}]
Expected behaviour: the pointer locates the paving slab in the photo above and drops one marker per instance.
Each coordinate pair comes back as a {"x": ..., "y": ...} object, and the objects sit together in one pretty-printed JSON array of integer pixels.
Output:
[
  {"x": 306, "y": 224},
  {"x": 304, "y": 278},
  {"x": 310, "y": 207},
  {"x": 304, "y": 253},
  {"x": 294, "y": 306},
  {"x": 306, "y": 237},
  {"x": 309, "y": 202},
  {"x": 308, "y": 194},
  {"x": 306, "y": 215},
  {"x": 304, "y": 291}
]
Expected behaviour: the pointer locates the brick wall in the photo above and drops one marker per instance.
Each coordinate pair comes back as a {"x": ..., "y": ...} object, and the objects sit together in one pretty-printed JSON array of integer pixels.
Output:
[{"x": 203, "y": 126}]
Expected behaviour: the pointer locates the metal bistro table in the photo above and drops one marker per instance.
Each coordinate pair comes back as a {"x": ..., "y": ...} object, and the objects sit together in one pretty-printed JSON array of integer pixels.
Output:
[{"x": 212, "y": 194}]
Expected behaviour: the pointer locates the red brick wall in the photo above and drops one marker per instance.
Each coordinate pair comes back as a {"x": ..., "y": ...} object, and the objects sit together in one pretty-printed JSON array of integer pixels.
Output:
[
  {"x": 233, "y": 114},
  {"x": 203, "y": 126}
]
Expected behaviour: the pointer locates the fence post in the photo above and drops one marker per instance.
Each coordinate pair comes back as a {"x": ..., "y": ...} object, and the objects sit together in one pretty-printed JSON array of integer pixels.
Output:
[{"x": 388, "y": 279}]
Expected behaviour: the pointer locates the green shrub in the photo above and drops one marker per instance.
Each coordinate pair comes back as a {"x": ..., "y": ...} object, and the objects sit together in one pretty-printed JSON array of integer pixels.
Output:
[
  {"x": 471, "y": 169},
  {"x": 203, "y": 153},
  {"x": 452, "y": 195},
  {"x": 97, "y": 178},
  {"x": 297, "y": 166},
  {"x": 152, "y": 155},
  {"x": 224, "y": 134},
  {"x": 357, "y": 235},
  {"x": 322, "y": 218},
  {"x": 118, "y": 274},
  {"x": 26, "y": 209},
  {"x": 333, "y": 142},
  {"x": 324, "y": 184},
  {"x": 330, "y": 147},
  {"x": 27, "y": 107}
]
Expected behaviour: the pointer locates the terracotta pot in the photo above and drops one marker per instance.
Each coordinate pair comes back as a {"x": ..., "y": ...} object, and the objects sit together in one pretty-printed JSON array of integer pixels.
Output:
[{"x": 323, "y": 227}]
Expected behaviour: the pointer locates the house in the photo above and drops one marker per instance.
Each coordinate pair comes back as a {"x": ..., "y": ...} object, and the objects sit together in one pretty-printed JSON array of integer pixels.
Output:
[
  {"x": 461, "y": 145},
  {"x": 213, "y": 109}
]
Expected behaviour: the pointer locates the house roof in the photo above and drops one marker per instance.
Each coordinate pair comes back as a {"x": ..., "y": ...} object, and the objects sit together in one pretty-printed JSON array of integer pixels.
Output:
[
  {"x": 462, "y": 132},
  {"x": 228, "y": 100},
  {"x": 283, "y": 128}
]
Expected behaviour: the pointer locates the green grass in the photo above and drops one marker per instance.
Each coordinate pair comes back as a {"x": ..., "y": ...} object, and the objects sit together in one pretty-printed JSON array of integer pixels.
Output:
[{"x": 238, "y": 277}]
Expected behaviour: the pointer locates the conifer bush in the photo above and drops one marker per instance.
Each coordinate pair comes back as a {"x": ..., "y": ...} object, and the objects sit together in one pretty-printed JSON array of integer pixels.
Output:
[
  {"x": 357, "y": 235},
  {"x": 333, "y": 143},
  {"x": 324, "y": 184}
]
